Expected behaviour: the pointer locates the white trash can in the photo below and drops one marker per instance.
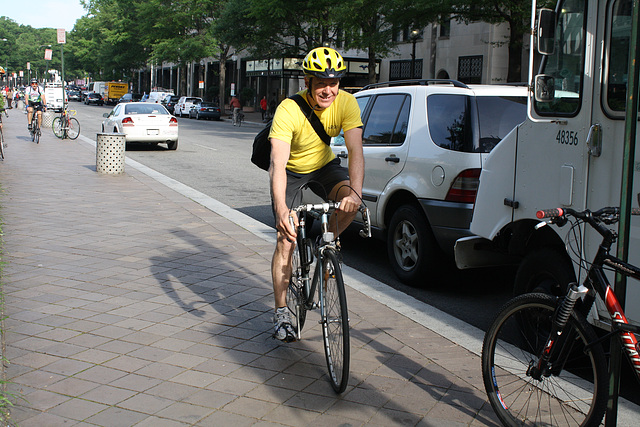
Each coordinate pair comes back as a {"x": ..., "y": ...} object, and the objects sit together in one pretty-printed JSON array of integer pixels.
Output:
[
  {"x": 110, "y": 148},
  {"x": 47, "y": 119}
]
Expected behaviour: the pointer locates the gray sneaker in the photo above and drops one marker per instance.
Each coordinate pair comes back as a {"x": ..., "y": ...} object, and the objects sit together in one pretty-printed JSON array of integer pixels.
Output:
[{"x": 283, "y": 326}]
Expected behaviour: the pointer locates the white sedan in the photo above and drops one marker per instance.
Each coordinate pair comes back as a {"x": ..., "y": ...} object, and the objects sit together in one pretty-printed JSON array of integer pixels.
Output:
[{"x": 143, "y": 122}]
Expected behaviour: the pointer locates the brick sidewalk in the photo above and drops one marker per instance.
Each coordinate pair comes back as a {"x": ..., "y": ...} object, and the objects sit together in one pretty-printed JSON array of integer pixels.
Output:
[{"x": 128, "y": 303}]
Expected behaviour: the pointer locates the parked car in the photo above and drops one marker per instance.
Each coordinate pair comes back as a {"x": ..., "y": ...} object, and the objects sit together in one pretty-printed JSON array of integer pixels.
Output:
[
  {"x": 423, "y": 146},
  {"x": 205, "y": 110},
  {"x": 74, "y": 95},
  {"x": 169, "y": 102},
  {"x": 94, "y": 98},
  {"x": 130, "y": 97},
  {"x": 143, "y": 122},
  {"x": 184, "y": 105}
]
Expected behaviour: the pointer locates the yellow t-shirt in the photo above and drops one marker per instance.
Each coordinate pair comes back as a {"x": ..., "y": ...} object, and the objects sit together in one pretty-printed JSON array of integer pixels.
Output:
[{"x": 308, "y": 152}]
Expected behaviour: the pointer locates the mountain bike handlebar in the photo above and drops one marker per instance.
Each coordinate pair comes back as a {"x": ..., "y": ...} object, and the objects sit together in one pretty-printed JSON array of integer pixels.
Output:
[{"x": 325, "y": 207}]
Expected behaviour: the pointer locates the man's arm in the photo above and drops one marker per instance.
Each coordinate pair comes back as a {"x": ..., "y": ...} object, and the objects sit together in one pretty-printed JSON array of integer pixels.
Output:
[
  {"x": 280, "y": 151},
  {"x": 353, "y": 142}
]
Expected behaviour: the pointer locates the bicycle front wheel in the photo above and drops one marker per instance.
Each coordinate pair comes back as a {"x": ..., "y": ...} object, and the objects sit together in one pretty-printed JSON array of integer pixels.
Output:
[
  {"x": 296, "y": 298},
  {"x": 572, "y": 393},
  {"x": 335, "y": 321},
  {"x": 57, "y": 127},
  {"x": 74, "y": 128}
]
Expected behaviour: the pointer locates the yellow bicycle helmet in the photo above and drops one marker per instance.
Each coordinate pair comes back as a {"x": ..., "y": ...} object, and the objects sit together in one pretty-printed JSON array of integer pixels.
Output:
[{"x": 325, "y": 63}]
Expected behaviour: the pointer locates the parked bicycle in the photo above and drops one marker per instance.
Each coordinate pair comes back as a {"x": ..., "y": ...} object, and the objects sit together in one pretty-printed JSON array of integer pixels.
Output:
[
  {"x": 3, "y": 110},
  {"x": 65, "y": 126},
  {"x": 328, "y": 282},
  {"x": 542, "y": 362}
]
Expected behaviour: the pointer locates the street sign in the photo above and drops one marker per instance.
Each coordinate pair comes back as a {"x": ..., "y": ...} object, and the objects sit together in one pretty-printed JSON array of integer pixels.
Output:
[
  {"x": 47, "y": 54},
  {"x": 62, "y": 36}
]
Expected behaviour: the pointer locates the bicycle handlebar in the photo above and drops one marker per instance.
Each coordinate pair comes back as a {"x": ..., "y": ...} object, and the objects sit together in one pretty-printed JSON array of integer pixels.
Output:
[
  {"x": 325, "y": 207},
  {"x": 604, "y": 214}
]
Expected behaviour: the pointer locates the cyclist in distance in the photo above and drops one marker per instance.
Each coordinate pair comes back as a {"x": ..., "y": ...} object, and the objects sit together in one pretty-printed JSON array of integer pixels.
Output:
[
  {"x": 299, "y": 157},
  {"x": 34, "y": 95}
]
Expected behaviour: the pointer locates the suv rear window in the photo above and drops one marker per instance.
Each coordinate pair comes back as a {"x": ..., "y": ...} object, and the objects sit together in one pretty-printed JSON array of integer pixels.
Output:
[{"x": 456, "y": 123}]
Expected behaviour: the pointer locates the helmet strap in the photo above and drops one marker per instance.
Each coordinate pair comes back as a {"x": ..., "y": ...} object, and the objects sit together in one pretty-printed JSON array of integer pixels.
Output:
[{"x": 313, "y": 103}]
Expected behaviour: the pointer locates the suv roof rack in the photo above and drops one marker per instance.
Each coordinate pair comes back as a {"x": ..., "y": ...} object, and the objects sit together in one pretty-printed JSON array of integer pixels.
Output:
[{"x": 422, "y": 82}]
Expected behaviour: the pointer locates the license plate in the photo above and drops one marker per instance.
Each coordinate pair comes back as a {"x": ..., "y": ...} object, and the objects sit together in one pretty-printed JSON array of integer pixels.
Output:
[{"x": 152, "y": 132}]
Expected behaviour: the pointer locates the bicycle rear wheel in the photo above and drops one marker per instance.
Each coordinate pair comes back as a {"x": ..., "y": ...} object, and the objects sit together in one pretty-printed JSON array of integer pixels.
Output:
[
  {"x": 74, "y": 128},
  {"x": 335, "y": 321},
  {"x": 296, "y": 297},
  {"x": 574, "y": 393},
  {"x": 58, "y": 130}
]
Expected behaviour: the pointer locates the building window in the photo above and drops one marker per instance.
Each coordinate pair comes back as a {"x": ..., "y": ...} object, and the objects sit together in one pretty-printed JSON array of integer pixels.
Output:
[
  {"x": 400, "y": 70},
  {"x": 470, "y": 69},
  {"x": 445, "y": 28}
]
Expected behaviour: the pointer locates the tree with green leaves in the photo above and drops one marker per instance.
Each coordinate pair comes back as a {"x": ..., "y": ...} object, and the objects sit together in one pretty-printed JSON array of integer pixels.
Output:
[{"x": 515, "y": 13}]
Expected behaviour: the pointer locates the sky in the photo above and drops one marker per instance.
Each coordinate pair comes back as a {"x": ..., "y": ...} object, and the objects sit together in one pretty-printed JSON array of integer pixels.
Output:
[{"x": 43, "y": 13}]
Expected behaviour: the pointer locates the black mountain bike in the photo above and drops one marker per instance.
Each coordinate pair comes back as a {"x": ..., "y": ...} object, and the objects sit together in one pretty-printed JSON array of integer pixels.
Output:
[
  {"x": 542, "y": 362},
  {"x": 35, "y": 127},
  {"x": 328, "y": 282}
]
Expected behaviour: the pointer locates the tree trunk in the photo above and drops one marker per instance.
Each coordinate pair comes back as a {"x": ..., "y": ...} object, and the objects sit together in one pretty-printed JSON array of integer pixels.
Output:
[
  {"x": 514, "y": 75},
  {"x": 372, "y": 66},
  {"x": 223, "y": 86}
]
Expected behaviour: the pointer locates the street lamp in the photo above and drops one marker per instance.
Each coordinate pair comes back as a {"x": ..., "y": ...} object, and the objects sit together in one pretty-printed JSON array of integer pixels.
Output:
[{"x": 414, "y": 38}]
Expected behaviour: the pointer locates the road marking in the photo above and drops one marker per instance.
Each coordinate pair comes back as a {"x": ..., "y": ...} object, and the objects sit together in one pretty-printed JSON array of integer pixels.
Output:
[{"x": 208, "y": 148}]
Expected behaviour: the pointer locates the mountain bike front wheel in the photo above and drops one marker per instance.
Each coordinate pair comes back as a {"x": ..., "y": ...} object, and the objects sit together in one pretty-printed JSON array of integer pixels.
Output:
[
  {"x": 335, "y": 321},
  {"x": 296, "y": 298},
  {"x": 73, "y": 131},
  {"x": 57, "y": 127},
  {"x": 572, "y": 392}
]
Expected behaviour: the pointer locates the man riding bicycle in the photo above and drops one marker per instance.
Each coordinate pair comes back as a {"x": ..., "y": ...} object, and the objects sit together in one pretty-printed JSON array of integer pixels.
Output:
[
  {"x": 300, "y": 157},
  {"x": 34, "y": 95}
]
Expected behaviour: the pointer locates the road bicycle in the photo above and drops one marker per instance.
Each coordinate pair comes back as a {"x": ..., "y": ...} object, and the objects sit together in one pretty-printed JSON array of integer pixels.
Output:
[
  {"x": 35, "y": 126},
  {"x": 3, "y": 110},
  {"x": 237, "y": 118},
  {"x": 65, "y": 126},
  {"x": 542, "y": 362},
  {"x": 328, "y": 282}
]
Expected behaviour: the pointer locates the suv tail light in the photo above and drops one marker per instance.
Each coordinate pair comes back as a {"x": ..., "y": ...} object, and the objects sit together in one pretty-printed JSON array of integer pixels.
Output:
[
  {"x": 173, "y": 121},
  {"x": 127, "y": 121},
  {"x": 465, "y": 187}
]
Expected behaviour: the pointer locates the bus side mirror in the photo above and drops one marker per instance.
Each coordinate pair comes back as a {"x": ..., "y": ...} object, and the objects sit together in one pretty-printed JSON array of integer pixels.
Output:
[
  {"x": 545, "y": 89},
  {"x": 546, "y": 31}
]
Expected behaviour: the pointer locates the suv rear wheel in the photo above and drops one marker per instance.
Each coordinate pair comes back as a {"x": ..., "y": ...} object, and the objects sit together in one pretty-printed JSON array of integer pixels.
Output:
[{"x": 411, "y": 246}]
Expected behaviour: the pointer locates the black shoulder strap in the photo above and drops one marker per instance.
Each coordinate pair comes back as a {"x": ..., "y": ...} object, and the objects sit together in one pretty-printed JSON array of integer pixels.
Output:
[{"x": 313, "y": 119}]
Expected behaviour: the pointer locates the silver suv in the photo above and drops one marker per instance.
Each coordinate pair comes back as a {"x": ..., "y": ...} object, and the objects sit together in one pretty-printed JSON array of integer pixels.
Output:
[{"x": 424, "y": 144}]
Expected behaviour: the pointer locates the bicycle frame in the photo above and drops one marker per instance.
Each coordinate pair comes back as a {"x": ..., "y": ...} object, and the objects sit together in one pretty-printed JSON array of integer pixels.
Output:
[
  {"x": 597, "y": 281},
  {"x": 620, "y": 323}
]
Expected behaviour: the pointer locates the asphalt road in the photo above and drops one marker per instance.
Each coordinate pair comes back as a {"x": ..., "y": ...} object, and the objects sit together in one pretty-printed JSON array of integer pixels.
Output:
[{"x": 213, "y": 157}]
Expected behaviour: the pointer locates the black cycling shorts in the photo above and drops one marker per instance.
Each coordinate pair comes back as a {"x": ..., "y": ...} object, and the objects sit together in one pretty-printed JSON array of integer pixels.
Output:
[
  {"x": 320, "y": 181},
  {"x": 36, "y": 105}
]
